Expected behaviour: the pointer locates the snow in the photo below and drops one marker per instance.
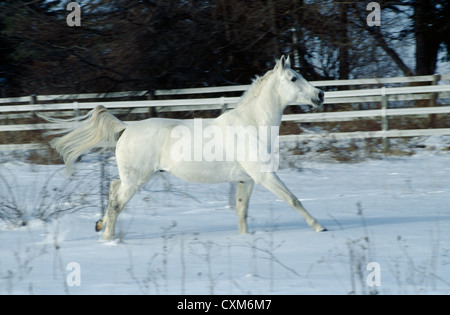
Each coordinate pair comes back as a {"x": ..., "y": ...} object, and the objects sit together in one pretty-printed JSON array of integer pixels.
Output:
[{"x": 176, "y": 237}]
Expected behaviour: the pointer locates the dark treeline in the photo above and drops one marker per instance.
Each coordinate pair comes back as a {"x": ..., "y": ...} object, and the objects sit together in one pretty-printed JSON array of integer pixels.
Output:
[{"x": 155, "y": 44}]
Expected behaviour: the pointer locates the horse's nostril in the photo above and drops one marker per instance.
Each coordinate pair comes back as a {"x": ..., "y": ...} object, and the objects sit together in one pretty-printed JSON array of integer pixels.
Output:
[{"x": 321, "y": 95}]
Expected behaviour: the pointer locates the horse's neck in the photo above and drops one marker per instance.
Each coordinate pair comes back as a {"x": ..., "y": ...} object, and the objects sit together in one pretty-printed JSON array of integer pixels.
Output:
[{"x": 266, "y": 108}]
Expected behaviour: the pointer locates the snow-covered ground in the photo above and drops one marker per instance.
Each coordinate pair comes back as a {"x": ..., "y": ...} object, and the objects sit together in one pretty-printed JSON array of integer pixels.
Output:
[{"x": 176, "y": 237}]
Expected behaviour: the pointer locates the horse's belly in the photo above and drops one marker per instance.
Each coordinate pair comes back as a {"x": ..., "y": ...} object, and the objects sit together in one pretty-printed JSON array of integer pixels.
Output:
[{"x": 208, "y": 172}]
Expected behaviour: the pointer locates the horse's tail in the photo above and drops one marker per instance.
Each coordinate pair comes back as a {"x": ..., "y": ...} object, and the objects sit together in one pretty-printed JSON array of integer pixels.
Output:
[{"x": 98, "y": 128}]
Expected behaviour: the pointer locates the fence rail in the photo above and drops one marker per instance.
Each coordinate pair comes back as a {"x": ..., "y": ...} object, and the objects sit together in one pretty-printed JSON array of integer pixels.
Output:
[{"x": 383, "y": 91}]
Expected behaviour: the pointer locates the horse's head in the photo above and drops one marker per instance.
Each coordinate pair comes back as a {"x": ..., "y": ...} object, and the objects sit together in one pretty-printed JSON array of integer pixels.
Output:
[{"x": 293, "y": 88}]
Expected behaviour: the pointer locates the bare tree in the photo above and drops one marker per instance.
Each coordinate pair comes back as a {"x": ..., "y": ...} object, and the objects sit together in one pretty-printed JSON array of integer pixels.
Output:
[{"x": 153, "y": 44}]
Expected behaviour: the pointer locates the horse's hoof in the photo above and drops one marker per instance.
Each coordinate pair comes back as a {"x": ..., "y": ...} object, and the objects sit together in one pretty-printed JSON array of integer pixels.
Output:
[
  {"x": 321, "y": 229},
  {"x": 99, "y": 225}
]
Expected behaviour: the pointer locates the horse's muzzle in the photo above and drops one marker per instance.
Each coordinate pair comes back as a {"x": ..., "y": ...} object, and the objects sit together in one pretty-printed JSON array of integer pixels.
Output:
[
  {"x": 321, "y": 96},
  {"x": 318, "y": 102}
]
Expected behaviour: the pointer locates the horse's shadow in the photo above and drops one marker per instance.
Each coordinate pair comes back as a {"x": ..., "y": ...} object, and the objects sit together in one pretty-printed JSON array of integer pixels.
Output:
[{"x": 335, "y": 224}]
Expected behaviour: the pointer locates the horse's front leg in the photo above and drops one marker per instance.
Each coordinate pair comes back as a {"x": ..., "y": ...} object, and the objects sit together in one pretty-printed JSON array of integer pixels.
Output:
[
  {"x": 243, "y": 192},
  {"x": 273, "y": 183}
]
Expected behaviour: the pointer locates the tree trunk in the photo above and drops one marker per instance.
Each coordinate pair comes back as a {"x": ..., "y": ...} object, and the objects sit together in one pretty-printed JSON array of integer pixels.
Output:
[
  {"x": 273, "y": 29},
  {"x": 343, "y": 45},
  {"x": 427, "y": 42}
]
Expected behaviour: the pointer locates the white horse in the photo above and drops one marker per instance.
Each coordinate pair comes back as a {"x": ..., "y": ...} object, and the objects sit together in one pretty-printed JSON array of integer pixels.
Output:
[{"x": 157, "y": 144}]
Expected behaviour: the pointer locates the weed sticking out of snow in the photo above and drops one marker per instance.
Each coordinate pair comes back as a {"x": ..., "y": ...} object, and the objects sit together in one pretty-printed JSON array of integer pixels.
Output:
[{"x": 388, "y": 224}]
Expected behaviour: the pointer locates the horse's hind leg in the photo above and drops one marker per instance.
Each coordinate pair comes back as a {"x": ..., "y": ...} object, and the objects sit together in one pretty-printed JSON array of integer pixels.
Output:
[
  {"x": 243, "y": 192},
  {"x": 121, "y": 191},
  {"x": 117, "y": 202},
  {"x": 112, "y": 191}
]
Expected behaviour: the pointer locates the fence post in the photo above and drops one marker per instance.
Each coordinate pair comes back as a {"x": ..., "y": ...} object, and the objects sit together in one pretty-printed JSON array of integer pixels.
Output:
[
  {"x": 384, "y": 119},
  {"x": 152, "y": 110},
  {"x": 223, "y": 105},
  {"x": 433, "y": 101},
  {"x": 33, "y": 99},
  {"x": 75, "y": 109}
]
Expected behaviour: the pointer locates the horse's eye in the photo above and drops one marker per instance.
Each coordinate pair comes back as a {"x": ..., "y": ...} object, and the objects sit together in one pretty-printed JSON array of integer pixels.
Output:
[{"x": 294, "y": 79}]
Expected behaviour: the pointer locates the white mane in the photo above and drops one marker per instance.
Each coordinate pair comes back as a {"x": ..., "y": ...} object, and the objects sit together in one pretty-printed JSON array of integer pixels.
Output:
[{"x": 254, "y": 89}]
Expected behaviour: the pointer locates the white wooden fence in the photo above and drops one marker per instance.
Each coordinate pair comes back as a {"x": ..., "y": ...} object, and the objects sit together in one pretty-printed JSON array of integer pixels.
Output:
[{"x": 381, "y": 91}]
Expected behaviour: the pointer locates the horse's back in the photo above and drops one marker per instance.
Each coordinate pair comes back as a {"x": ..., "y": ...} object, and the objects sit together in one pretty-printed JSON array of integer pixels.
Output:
[
  {"x": 139, "y": 147},
  {"x": 169, "y": 144}
]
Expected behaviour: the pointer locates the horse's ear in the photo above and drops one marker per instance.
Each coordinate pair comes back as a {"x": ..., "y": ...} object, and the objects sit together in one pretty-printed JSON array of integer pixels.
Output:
[
  {"x": 280, "y": 63},
  {"x": 284, "y": 63},
  {"x": 287, "y": 62}
]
